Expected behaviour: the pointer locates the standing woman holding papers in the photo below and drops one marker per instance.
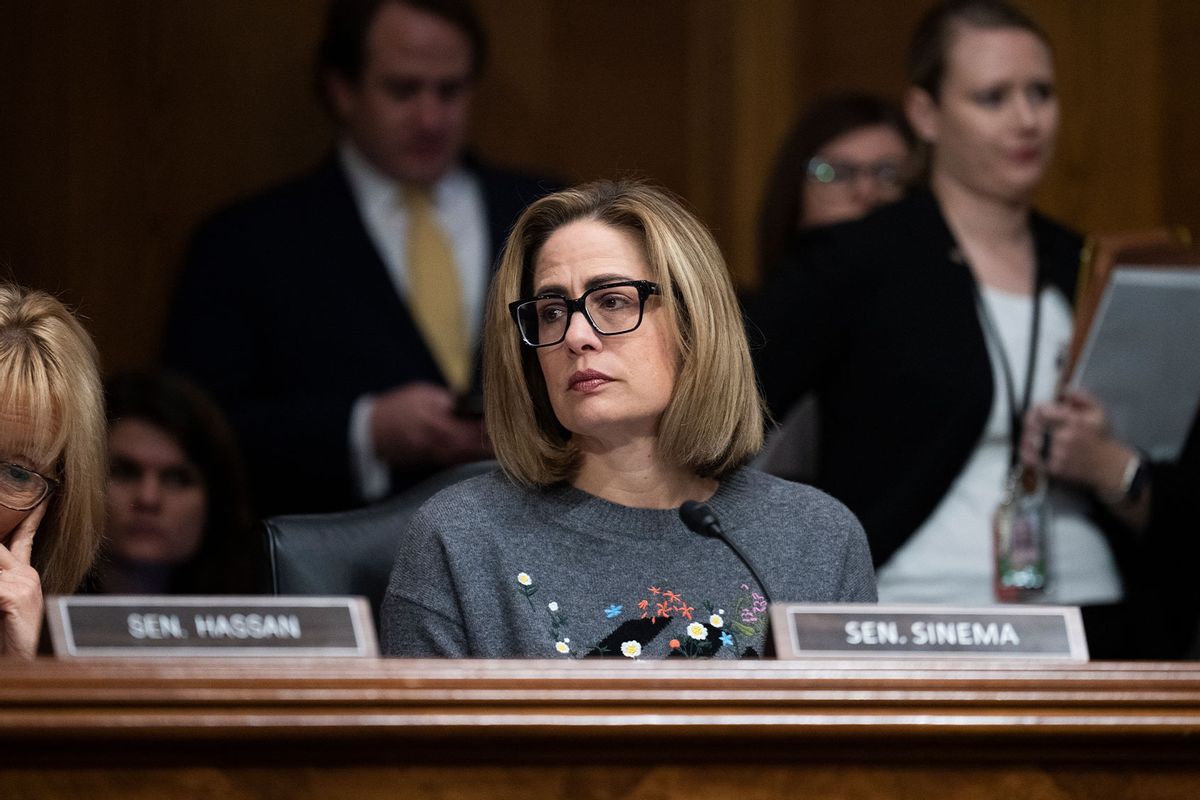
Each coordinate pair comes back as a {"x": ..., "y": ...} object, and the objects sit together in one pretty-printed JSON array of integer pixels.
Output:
[
  {"x": 928, "y": 329},
  {"x": 618, "y": 385},
  {"x": 51, "y": 460}
]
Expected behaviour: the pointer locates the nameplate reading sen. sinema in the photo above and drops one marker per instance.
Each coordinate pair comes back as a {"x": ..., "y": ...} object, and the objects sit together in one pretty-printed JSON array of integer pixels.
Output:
[
  {"x": 920, "y": 631},
  {"x": 131, "y": 626}
]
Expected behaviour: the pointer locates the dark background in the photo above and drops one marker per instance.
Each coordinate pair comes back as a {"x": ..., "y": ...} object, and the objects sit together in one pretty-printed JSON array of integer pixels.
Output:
[{"x": 123, "y": 122}]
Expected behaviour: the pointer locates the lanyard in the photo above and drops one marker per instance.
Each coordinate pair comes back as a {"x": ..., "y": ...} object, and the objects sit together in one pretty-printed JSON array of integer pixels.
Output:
[{"x": 1016, "y": 416}]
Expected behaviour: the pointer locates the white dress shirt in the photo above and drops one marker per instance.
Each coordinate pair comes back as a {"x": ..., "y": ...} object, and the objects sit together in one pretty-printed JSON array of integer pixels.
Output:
[{"x": 460, "y": 209}]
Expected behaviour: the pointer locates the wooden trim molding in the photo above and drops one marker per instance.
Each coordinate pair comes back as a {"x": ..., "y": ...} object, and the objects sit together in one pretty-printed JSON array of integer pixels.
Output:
[{"x": 392, "y": 728}]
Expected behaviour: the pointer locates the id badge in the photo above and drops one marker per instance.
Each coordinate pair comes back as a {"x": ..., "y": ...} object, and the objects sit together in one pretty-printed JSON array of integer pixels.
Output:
[{"x": 1020, "y": 530}]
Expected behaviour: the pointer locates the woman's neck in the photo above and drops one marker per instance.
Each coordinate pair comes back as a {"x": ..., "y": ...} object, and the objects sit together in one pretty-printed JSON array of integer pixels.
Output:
[
  {"x": 992, "y": 232},
  {"x": 632, "y": 474}
]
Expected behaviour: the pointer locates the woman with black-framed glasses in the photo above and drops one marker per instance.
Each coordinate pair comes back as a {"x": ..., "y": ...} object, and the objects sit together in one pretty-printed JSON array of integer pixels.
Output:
[
  {"x": 51, "y": 460},
  {"x": 618, "y": 385}
]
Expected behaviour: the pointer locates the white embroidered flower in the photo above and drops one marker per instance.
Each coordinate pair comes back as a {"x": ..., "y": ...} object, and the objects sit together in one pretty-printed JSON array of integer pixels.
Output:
[
  {"x": 553, "y": 606},
  {"x": 524, "y": 579},
  {"x": 562, "y": 647},
  {"x": 697, "y": 631},
  {"x": 716, "y": 621},
  {"x": 631, "y": 649}
]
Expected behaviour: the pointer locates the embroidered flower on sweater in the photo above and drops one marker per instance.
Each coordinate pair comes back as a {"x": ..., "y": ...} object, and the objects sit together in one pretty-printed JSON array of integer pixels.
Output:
[
  {"x": 749, "y": 618},
  {"x": 668, "y": 603},
  {"x": 716, "y": 621},
  {"x": 562, "y": 646},
  {"x": 697, "y": 631},
  {"x": 526, "y": 588},
  {"x": 631, "y": 649},
  {"x": 614, "y": 610}
]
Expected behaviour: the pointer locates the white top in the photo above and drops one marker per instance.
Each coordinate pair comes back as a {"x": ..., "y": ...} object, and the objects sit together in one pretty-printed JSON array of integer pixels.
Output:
[
  {"x": 460, "y": 209},
  {"x": 949, "y": 559}
]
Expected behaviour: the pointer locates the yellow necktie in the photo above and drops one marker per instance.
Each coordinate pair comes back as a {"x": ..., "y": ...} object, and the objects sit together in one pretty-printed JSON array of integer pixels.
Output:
[{"x": 433, "y": 291}]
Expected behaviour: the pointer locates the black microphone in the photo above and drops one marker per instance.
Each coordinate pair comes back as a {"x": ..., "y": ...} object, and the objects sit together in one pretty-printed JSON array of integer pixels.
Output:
[{"x": 700, "y": 519}]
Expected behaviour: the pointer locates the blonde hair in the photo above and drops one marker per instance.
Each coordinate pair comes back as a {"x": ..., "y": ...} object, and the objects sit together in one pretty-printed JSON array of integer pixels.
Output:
[
  {"x": 49, "y": 380},
  {"x": 714, "y": 420}
]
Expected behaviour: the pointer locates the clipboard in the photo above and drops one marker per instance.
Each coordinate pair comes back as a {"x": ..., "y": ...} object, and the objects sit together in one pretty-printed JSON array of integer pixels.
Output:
[{"x": 1137, "y": 318}]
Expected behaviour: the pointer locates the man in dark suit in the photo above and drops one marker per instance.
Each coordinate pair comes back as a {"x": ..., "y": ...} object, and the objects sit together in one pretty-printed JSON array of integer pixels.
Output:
[{"x": 336, "y": 317}]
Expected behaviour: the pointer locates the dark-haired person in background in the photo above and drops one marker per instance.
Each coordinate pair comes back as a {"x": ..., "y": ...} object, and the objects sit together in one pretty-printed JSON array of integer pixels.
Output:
[
  {"x": 335, "y": 317},
  {"x": 847, "y": 154},
  {"x": 927, "y": 329},
  {"x": 178, "y": 512}
]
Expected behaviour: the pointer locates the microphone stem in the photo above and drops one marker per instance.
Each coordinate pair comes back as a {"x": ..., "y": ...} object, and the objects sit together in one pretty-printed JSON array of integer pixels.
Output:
[{"x": 737, "y": 551}]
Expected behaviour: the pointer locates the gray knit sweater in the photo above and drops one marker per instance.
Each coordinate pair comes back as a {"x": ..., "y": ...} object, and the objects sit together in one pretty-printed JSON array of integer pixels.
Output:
[{"x": 491, "y": 570}]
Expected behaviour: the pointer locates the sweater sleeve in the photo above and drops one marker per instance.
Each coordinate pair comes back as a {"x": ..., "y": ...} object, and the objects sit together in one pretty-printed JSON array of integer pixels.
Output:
[
  {"x": 857, "y": 580},
  {"x": 421, "y": 615}
]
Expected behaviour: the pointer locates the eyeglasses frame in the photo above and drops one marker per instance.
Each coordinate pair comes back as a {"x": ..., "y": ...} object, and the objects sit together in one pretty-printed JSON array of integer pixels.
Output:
[
  {"x": 52, "y": 486},
  {"x": 644, "y": 289},
  {"x": 813, "y": 167}
]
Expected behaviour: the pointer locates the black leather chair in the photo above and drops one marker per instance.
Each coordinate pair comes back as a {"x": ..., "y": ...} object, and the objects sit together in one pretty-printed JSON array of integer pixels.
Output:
[{"x": 348, "y": 552}]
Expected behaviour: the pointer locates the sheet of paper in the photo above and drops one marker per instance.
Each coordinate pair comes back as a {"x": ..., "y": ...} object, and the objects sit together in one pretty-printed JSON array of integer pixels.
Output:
[{"x": 1142, "y": 356}]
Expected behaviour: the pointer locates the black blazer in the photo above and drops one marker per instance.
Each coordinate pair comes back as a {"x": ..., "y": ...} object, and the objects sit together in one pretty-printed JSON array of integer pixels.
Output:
[
  {"x": 286, "y": 313},
  {"x": 878, "y": 318}
]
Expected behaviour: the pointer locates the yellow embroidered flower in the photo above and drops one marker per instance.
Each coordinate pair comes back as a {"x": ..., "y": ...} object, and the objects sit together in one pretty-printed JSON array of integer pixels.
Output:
[
  {"x": 562, "y": 647},
  {"x": 524, "y": 579},
  {"x": 631, "y": 649},
  {"x": 697, "y": 631},
  {"x": 716, "y": 621}
]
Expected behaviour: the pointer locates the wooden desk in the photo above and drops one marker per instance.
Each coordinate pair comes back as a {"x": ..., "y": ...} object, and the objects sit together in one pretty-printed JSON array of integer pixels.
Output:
[{"x": 375, "y": 729}]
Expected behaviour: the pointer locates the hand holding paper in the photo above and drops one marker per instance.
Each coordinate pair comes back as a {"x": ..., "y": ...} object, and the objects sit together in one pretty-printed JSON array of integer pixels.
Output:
[{"x": 1082, "y": 448}]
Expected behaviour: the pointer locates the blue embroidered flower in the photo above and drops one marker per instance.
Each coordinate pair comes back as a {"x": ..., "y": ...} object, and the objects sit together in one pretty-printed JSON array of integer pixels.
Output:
[
  {"x": 726, "y": 639},
  {"x": 613, "y": 611}
]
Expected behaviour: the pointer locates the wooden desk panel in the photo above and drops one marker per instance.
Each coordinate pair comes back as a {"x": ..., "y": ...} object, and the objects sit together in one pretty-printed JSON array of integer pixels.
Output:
[{"x": 371, "y": 729}]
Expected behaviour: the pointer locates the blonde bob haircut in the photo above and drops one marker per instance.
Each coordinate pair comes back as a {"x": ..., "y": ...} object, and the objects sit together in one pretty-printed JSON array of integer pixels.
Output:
[
  {"x": 714, "y": 420},
  {"x": 53, "y": 411}
]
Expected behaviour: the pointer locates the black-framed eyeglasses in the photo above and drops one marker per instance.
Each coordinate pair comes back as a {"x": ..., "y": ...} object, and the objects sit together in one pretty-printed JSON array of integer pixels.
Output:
[
  {"x": 611, "y": 309},
  {"x": 885, "y": 173},
  {"x": 22, "y": 489}
]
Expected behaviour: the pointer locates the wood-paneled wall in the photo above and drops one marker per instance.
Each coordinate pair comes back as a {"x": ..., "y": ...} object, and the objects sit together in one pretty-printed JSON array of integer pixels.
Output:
[{"x": 124, "y": 122}]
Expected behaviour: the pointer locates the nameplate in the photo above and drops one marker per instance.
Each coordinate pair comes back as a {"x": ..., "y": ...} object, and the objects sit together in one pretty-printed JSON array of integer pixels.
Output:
[
  {"x": 130, "y": 626},
  {"x": 919, "y": 631}
]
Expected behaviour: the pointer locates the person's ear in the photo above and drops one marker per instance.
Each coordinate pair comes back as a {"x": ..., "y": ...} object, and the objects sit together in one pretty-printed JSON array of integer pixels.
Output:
[
  {"x": 342, "y": 95},
  {"x": 923, "y": 114}
]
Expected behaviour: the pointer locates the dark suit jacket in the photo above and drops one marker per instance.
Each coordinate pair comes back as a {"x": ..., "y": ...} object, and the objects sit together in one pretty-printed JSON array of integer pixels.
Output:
[
  {"x": 878, "y": 318},
  {"x": 286, "y": 313}
]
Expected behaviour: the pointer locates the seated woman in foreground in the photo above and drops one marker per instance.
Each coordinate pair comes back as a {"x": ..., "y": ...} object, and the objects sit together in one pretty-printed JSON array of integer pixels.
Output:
[
  {"x": 51, "y": 460},
  {"x": 618, "y": 385}
]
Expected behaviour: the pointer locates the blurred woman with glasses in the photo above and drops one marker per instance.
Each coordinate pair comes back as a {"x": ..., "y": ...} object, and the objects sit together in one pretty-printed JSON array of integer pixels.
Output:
[
  {"x": 51, "y": 460},
  {"x": 618, "y": 385},
  {"x": 846, "y": 155}
]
